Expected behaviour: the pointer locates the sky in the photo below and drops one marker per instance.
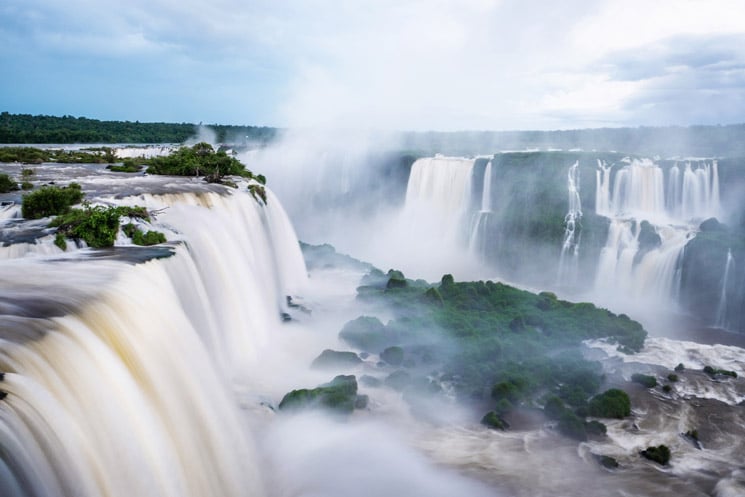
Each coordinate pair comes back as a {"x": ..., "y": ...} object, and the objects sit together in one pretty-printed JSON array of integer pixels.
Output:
[{"x": 378, "y": 64}]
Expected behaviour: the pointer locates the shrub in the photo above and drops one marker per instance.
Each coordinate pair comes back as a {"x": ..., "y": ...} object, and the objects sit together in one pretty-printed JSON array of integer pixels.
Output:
[
  {"x": 97, "y": 226},
  {"x": 659, "y": 454},
  {"x": 713, "y": 372},
  {"x": 596, "y": 428},
  {"x": 27, "y": 185},
  {"x": 644, "y": 380},
  {"x": 554, "y": 407},
  {"x": 50, "y": 201},
  {"x": 492, "y": 420},
  {"x": 148, "y": 238},
  {"x": 613, "y": 403},
  {"x": 60, "y": 241},
  {"x": 572, "y": 426},
  {"x": 7, "y": 184}
]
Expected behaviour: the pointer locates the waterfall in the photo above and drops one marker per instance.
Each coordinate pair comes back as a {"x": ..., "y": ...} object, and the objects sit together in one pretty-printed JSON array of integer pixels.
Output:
[
  {"x": 441, "y": 185},
  {"x": 721, "y": 319},
  {"x": 122, "y": 379},
  {"x": 602, "y": 189},
  {"x": 674, "y": 206},
  {"x": 567, "y": 273},
  {"x": 486, "y": 193},
  {"x": 477, "y": 240}
]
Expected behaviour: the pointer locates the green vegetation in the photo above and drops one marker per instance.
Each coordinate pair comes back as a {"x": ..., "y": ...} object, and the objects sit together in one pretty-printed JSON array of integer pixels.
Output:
[
  {"x": 644, "y": 380},
  {"x": 50, "y": 201},
  {"x": 613, "y": 403},
  {"x": 714, "y": 371},
  {"x": 128, "y": 166},
  {"x": 98, "y": 225},
  {"x": 672, "y": 377},
  {"x": 7, "y": 184},
  {"x": 60, "y": 241},
  {"x": 339, "y": 396},
  {"x": 32, "y": 155},
  {"x": 202, "y": 160},
  {"x": 659, "y": 454},
  {"x": 505, "y": 345},
  {"x": 25, "y": 128},
  {"x": 492, "y": 420}
]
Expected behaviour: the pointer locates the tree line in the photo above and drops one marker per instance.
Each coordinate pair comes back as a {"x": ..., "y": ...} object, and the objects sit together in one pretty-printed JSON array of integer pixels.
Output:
[{"x": 27, "y": 128}]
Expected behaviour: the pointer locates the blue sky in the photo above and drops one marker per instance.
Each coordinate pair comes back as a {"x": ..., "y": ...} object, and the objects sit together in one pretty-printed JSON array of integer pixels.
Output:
[{"x": 390, "y": 64}]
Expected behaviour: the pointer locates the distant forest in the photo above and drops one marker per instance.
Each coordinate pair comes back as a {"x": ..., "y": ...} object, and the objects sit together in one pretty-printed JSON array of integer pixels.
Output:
[
  {"x": 25, "y": 128},
  {"x": 670, "y": 141}
]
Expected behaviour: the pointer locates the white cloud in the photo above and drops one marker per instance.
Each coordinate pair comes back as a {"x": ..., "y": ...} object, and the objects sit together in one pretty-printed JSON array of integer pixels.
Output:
[{"x": 424, "y": 64}]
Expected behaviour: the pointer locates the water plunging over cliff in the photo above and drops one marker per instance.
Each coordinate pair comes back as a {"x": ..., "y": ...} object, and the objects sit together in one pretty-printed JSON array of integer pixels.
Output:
[
  {"x": 477, "y": 239},
  {"x": 121, "y": 379},
  {"x": 569, "y": 258},
  {"x": 635, "y": 193}
]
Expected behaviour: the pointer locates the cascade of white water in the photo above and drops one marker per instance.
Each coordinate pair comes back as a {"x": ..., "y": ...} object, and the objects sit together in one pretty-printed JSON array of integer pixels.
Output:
[
  {"x": 674, "y": 186},
  {"x": 567, "y": 273},
  {"x": 721, "y": 318},
  {"x": 674, "y": 209},
  {"x": 477, "y": 238},
  {"x": 120, "y": 388},
  {"x": 602, "y": 189},
  {"x": 440, "y": 184},
  {"x": 486, "y": 193}
]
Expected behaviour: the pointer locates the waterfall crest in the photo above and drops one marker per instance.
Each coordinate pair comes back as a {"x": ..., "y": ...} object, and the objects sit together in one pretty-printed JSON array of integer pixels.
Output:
[{"x": 122, "y": 379}]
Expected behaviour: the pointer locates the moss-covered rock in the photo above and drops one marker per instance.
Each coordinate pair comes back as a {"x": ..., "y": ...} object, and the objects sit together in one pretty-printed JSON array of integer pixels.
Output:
[
  {"x": 339, "y": 396},
  {"x": 659, "y": 454},
  {"x": 333, "y": 359},
  {"x": 393, "y": 355},
  {"x": 607, "y": 461},
  {"x": 365, "y": 333}
]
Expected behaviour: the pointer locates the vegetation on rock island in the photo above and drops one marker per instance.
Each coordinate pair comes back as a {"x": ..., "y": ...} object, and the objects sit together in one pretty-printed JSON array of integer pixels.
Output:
[
  {"x": 495, "y": 344},
  {"x": 98, "y": 226},
  {"x": 202, "y": 160},
  {"x": 50, "y": 201},
  {"x": 7, "y": 184}
]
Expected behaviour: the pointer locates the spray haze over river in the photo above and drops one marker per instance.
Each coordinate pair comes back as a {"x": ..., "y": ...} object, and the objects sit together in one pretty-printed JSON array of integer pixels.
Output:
[{"x": 159, "y": 371}]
